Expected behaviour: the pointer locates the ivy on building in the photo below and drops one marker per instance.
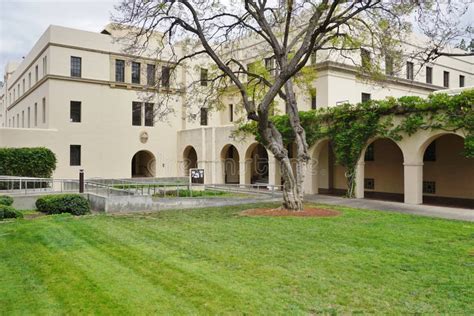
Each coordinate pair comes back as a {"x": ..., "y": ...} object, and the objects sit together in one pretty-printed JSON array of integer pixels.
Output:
[
  {"x": 36, "y": 162},
  {"x": 350, "y": 126}
]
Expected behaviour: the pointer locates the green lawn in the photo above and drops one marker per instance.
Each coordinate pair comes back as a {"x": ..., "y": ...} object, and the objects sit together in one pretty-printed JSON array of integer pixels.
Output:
[{"x": 215, "y": 261}]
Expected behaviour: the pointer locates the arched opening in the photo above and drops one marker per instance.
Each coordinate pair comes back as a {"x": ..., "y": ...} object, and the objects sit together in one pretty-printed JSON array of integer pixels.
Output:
[
  {"x": 447, "y": 174},
  {"x": 189, "y": 159},
  {"x": 143, "y": 165},
  {"x": 230, "y": 164},
  {"x": 330, "y": 176},
  {"x": 383, "y": 171},
  {"x": 257, "y": 169}
]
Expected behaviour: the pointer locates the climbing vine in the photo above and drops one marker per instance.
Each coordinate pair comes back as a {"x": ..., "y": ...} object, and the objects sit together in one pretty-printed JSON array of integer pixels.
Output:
[{"x": 350, "y": 126}]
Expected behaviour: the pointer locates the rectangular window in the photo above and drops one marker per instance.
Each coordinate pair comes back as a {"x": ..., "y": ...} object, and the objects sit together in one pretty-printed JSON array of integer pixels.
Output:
[
  {"x": 45, "y": 65},
  {"x": 24, "y": 85},
  {"x": 365, "y": 58},
  {"x": 429, "y": 75},
  {"x": 429, "y": 187},
  {"x": 410, "y": 68},
  {"x": 165, "y": 76},
  {"x": 389, "y": 65},
  {"x": 313, "y": 101},
  {"x": 44, "y": 110},
  {"x": 461, "y": 81},
  {"x": 149, "y": 114},
  {"x": 136, "y": 113},
  {"x": 75, "y": 112},
  {"x": 231, "y": 112},
  {"x": 365, "y": 97},
  {"x": 76, "y": 66},
  {"x": 203, "y": 77},
  {"x": 446, "y": 79},
  {"x": 29, "y": 117},
  {"x": 22, "y": 119},
  {"x": 150, "y": 74},
  {"x": 369, "y": 184},
  {"x": 29, "y": 80},
  {"x": 75, "y": 155},
  {"x": 369, "y": 153},
  {"x": 135, "y": 72},
  {"x": 18, "y": 90},
  {"x": 204, "y": 116},
  {"x": 36, "y": 73},
  {"x": 36, "y": 114},
  {"x": 119, "y": 70},
  {"x": 430, "y": 152}
]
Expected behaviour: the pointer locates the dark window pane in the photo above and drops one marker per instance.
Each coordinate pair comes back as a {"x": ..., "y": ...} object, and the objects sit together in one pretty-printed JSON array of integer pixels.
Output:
[
  {"x": 446, "y": 79},
  {"x": 389, "y": 65},
  {"x": 165, "y": 76},
  {"x": 429, "y": 75},
  {"x": 231, "y": 112},
  {"x": 410, "y": 70},
  {"x": 149, "y": 114},
  {"x": 430, "y": 152},
  {"x": 369, "y": 183},
  {"x": 136, "y": 73},
  {"x": 370, "y": 153},
  {"x": 203, "y": 116},
  {"x": 119, "y": 70},
  {"x": 150, "y": 75},
  {"x": 75, "y": 155},
  {"x": 203, "y": 77},
  {"x": 136, "y": 113},
  {"x": 76, "y": 65},
  {"x": 429, "y": 187},
  {"x": 313, "y": 102},
  {"x": 75, "y": 112},
  {"x": 365, "y": 58},
  {"x": 461, "y": 81},
  {"x": 365, "y": 97}
]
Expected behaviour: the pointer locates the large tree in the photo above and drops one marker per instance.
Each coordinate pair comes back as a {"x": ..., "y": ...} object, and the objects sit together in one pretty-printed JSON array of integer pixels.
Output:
[{"x": 289, "y": 33}]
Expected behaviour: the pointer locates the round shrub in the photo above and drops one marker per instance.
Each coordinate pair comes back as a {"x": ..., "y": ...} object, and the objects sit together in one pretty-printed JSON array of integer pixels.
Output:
[
  {"x": 74, "y": 204},
  {"x": 6, "y": 200},
  {"x": 9, "y": 212}
]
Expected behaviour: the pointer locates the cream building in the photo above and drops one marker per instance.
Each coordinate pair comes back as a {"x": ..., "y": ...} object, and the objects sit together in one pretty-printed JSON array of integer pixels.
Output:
[{"x": 79, "y": 94}]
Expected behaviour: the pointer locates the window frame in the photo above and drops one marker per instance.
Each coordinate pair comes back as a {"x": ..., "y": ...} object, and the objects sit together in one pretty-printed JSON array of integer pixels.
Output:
[
  {"x": 137, "y": 109},
  {"x": 135, "y": 73},
  {"x": 445, "y": 79},
  {"x": 75, "y": 160},
  {"x": 72, "y": 110},
  {"x": 149, "y": 119},
  {"x": 119, "y": 72},
  {"x": 204, "y": 116},
  {"x": 410, "y": 75},
  {"x": 76, "y": 66},
  {"x": 151, "y": 75},
  {"x": 429, "y": 75}
]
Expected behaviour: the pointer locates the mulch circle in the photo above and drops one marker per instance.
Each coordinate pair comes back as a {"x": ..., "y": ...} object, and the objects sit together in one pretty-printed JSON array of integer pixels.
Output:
[{"x": 307, "y": 212}]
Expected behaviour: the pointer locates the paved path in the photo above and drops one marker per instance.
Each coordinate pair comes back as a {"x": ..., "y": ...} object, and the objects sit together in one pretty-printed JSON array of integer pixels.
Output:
[{"x": 424, "y": 210}]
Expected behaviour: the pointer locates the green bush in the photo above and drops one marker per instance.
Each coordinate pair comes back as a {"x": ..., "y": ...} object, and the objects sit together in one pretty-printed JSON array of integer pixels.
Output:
[
  {"x": 74, "y": 204},
  {"x": 9, "y": 212},
  {"x": 6, "y": 200},
  {"x": 38, "y": 162}
]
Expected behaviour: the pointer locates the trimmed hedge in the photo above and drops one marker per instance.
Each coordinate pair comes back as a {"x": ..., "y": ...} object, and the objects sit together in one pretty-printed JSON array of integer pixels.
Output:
[
  {"x": 6, "y": 200},
  {"x": 74, "y": 204},
  {"x": 9, "y": 212},
  {"x": 38, "y": 162}
]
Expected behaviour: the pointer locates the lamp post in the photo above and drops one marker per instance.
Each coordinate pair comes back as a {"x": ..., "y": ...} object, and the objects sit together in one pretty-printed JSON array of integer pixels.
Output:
[{"x": 81, "y": 181}]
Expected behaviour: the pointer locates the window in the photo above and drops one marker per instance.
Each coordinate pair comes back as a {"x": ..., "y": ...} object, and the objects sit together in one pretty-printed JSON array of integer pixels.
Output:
[
  {"x": 369, "y": 184},
  {"x": 29, "y": 80},
  {"x": 365, "y": 97},
  {"x": 365, "y": 58},
  {"x": 429, "y": 187},
  {"x": 44, "y": 110},
  {"x": 149, "y": 114},
  {"x": 150, "y": 75},
  {"x": 313, "y": 101},
  {"x": 119, "y": 70},
  {"x": 446, "y": 79},
  {"x": 36, "y": 114},
  {"x": 430, "y": 152},
  {"x": 231, "y": 112},
  {"x": 410, "y": 70},
  {"x": 75, "y": 113},
  {"x": 76, "y": 66},
  {"x": 18, "y": 90},
  {"x": 429, "y": 75},
  {"x": 389, "y": 65},
  {"x": 203, "y": 77},
  {"x": 136, "y": 113},
  {"x": 45, "y": 65},
  {"x": 75, "y": 155},
  {"x": 165, "y": 76},
  {"x": 23, "y": 119},
  {"x": 36, "y": 73},
  {"x": 461, "y": 81},
  {"x": 136, "y": 73},
  {"x": 369, "y": 153},
  {"x": 204, "y": 114},
  {"x": 29, "y": 117},
  {"x": 313, "y": 58},
  {"x": 24, "y": 85}
]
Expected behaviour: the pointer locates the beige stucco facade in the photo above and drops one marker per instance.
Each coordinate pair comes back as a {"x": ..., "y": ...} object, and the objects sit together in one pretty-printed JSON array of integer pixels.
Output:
[{"x": 35, "y": 111}]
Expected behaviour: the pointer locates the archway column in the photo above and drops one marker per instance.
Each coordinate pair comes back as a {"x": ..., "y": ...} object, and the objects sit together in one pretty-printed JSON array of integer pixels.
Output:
[
  {"x": 359, "y": 180},
  {"x": 413, "y": 185},
  {"x": 244, "y": 169}
]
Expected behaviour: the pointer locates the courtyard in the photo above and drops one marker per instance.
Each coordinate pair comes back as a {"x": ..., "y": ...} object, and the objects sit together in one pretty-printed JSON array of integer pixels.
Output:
[{"x": 214, "y": 261}]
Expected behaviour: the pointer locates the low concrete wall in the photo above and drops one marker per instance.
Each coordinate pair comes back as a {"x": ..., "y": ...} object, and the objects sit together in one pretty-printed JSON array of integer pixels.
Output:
[{"x": 28, "y": 202}]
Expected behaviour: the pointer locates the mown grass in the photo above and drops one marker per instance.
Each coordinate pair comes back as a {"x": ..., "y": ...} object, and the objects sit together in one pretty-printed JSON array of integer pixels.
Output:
[{"x": 214, "y": 261}]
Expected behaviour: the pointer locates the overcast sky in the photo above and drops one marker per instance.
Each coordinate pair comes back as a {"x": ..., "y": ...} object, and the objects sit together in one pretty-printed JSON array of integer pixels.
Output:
[{"x": 22, "y": 22}]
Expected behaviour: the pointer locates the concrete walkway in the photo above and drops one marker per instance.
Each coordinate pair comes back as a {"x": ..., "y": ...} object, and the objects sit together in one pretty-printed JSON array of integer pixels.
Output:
[{"x": 423, "y": 210}]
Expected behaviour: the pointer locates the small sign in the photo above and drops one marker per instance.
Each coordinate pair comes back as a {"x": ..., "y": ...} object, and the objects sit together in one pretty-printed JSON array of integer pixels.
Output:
[{"x": 197, "y": 176}]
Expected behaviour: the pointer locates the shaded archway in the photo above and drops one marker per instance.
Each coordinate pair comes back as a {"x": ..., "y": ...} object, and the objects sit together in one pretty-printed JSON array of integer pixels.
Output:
[
  {"x": 256, "y": 166},
  {"x": 143, "y": 164},
  {"x": 230, "y": 164},
  {"x": 329, "y": 177},
  {"x": 383, "y": 171},
  {"x": 189, "y": 159},
  {"x": 447, "y": 174}
]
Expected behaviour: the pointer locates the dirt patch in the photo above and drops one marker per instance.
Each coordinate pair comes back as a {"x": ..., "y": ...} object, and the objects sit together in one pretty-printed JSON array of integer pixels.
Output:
[{"x": 307, "y": 212}]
